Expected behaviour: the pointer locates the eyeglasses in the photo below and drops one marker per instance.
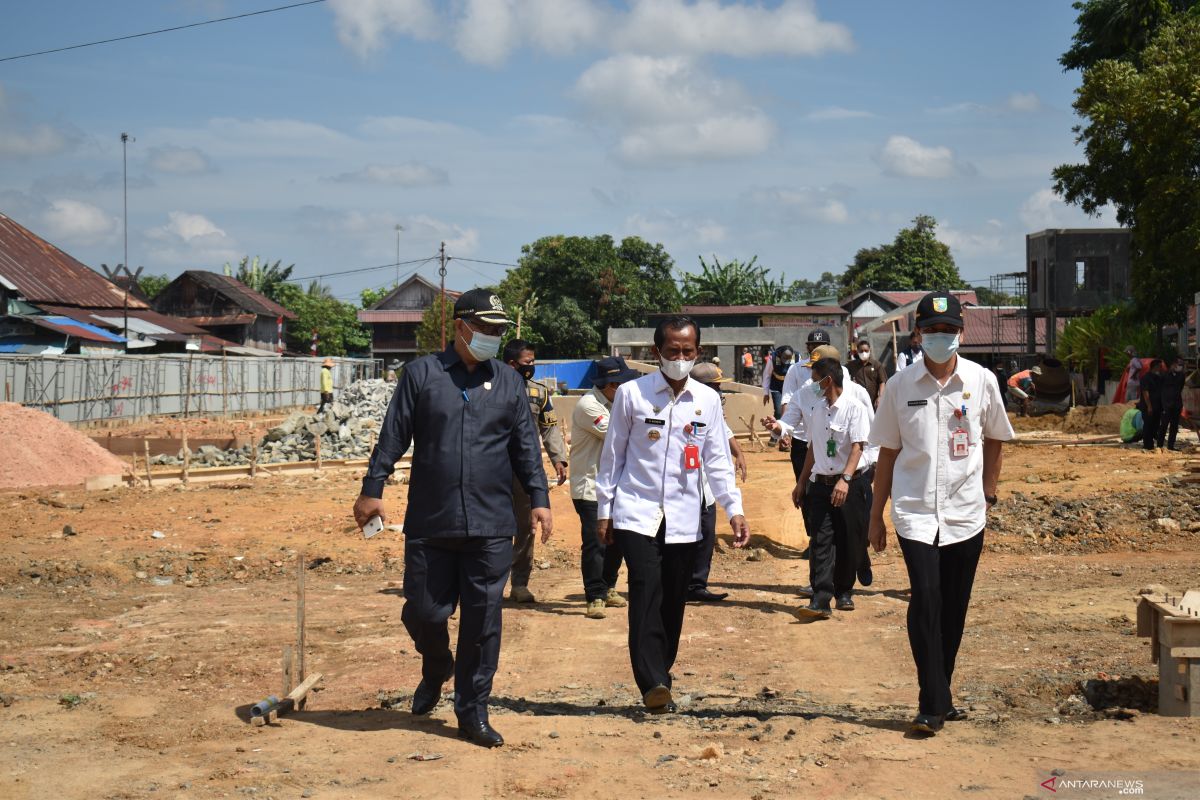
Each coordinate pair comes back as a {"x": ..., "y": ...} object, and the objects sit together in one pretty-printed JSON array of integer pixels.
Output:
[{"x": 488, "y": 329}]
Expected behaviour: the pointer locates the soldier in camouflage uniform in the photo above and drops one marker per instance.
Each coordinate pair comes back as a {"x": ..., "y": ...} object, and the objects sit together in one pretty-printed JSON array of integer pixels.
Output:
[{"x": 520, "y": 355}]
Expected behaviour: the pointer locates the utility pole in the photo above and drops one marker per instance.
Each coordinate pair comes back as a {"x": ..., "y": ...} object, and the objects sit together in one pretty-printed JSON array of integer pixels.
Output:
[
  {"x": 399, "y": 228},
  {"x": 125, "y": 140},
  {"x": 442, "y": 299}
]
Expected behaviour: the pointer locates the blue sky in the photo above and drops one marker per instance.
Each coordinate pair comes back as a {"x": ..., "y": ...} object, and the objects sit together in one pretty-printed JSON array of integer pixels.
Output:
[{"x": 793, "y": 130}]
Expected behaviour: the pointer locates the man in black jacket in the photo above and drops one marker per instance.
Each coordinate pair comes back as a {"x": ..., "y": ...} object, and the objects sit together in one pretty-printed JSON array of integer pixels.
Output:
[
  {"x": 467, "y": 416},
  {"x": 1171, "y": 395},
  {"x": 1151, "y": 404}
]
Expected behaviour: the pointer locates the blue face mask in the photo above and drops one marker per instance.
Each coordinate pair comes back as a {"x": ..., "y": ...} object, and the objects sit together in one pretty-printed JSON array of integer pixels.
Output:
[
  {"x": 816, "y": 389},
  {"x": 940, "y": 347}
]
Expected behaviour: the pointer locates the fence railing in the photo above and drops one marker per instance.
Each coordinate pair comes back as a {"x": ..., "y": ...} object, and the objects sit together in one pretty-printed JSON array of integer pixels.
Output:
[{"x": 87, "y": 388}]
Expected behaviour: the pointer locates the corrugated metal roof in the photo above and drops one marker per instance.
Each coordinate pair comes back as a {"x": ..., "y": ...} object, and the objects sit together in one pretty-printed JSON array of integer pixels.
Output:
[
  {"x": 708, "y": 311},
  {"x": 390, "y": 315},
  {"x": 43, "y": 273},
  {"x": 228, "y": 319},
  {"x": 71, "y": 327},
  {"x": 240, "y": 293},
  {"x": 94, "y": 316},
  {"x": 902, "y": 298}
]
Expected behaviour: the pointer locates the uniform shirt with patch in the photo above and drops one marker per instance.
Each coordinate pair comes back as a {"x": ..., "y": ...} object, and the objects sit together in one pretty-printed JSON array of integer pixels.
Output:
[
  {"x": 542, "y": 408},
  {"x": 844, "y": 423},
  {"x": 936, "y": 494},
  {"x": 589, "y": 425}
]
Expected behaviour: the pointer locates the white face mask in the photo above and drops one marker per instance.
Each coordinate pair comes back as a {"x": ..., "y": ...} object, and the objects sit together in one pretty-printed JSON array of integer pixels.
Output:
[
  {"x": 816, "y": 389},
  {"x": 482, "y": 346},
  {"x": 940, "y": 347},
  {"x": 864, "y": 355},
  {"x": 677, "y": 370}
]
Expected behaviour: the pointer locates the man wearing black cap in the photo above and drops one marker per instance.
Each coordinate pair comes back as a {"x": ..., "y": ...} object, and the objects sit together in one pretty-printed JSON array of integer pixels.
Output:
[
  {"x": 467, "y": 417},
  {"x": 940, "y": 428},
  {"x": 799, "y": 375},
  {"x": 599, "y": 563}
]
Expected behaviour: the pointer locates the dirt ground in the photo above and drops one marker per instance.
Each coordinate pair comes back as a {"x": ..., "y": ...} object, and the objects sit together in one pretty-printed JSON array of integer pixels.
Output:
[{"x": 119, "y": 684}]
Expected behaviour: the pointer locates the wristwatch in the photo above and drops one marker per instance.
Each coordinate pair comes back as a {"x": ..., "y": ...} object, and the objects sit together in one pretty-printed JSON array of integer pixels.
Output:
[
  {"x": 990, "y": 499},
  {"x": 847, "y": 478}
]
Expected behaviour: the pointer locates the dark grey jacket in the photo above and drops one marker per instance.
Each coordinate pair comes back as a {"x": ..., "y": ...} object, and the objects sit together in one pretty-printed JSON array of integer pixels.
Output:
[{"x": 471, "y": 431}]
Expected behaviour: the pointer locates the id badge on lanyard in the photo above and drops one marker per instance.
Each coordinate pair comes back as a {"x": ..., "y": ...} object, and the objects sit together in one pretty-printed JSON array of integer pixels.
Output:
[{"x": 960, "y": 440}]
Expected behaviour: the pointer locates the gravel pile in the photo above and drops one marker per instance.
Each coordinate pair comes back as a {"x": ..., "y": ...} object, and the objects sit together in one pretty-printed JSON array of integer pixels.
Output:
[
  {"x": 347, "y": 429},
  {"x": 38, "y": 450}
]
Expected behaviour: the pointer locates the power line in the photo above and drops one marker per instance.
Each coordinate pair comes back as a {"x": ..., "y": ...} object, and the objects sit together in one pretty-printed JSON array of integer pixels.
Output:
[
  {"x": 481, "y": 261},
  {"x": 360, "y": 269},
  {"x": 162, "y": 30},
  {"x": 348, "y": 295}
]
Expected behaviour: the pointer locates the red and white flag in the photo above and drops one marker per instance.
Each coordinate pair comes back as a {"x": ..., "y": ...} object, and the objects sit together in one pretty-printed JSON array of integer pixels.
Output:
[{"x": 313, "y": 346}]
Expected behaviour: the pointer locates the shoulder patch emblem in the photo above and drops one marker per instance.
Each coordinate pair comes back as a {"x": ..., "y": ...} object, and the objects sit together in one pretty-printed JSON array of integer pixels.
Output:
[{"x": 939, "y": 305}]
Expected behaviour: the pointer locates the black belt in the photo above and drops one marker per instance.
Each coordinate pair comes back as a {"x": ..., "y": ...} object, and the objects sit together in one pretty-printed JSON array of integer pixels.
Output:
[{"x": 830, "y": 480}]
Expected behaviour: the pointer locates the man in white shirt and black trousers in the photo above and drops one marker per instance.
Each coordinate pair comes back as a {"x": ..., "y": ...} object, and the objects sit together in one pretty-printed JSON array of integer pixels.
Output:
[
  {"x": 940, "y": 426},
  {"x": 833, "y": 489},
  {"x": 664, "y": 426}
]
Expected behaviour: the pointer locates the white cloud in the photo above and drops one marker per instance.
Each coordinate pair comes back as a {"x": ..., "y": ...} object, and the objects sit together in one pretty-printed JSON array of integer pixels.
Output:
[
  {"x": 670, "y": 110},
  {"x": 907, "y": 158},
  {"x": 363, "y": 25},
  {"x": 800, "y": 205},
  {"x": 489, "y": 31},
  {"x": 410, "y": 174},
  {"x": 189, "y": 239},
  {"x": 666, "y": 226},
  {"x": 964, "y": 243},
  {"x": 1023, "y": 102},
  {"x": 22, "y": 138},
  {"x": 368, "y": 231},
  {"x": 79, "y": 223},
  {"x": 793, "y": 28},
  {"x": 836, "y": 113},
  {"x": 1045, "y": 209},
  {"x": 398, "y": 127},
  {"x": 179, "y": 160}
]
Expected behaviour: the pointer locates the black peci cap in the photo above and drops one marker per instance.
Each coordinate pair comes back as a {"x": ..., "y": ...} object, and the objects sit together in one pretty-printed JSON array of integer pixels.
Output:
[
  {"x": 937, "y": 308},
  {"x": 482, "y": 305}
]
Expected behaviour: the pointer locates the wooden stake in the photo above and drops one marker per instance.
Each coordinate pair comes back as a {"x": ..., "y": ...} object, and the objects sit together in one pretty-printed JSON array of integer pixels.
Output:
[
  {"x": 254, "y": 460},
  {"x": 288, "y": 683},
  {"x": 146, "y": 447},
  {"x": 299, "y": 672},
  {"x": 753, "y": 433},
  {"x": 318, "y": 445},
  {"x": 187, "y": 458}
]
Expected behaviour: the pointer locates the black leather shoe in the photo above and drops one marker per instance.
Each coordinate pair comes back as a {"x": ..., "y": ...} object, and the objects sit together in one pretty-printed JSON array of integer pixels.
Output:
[
  {"x": 427, "y": 695},
  {"x": 956, "y": 714},
  {"x": 845, "y": 602},
  {"x": 927, "y": 723},
  {"x": 805, "y": 591},
  {"x": 669, "y": 708},
  {"x": 480, "y": 733},
  {"x": 814, "y": 611},
  {"x": 865, "y": 576},
  {"x": 705, "y": 596},
  {"x": 806, "y": 553}
]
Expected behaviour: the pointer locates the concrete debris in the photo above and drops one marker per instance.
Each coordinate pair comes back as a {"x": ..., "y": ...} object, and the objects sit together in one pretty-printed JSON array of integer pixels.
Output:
[{"x": 347, "y": 429}]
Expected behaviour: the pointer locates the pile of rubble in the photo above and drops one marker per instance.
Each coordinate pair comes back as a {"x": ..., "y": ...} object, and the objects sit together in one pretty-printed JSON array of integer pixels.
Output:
[
  {"x": 1137, "y": 520},
  {"x": 347, "y": 429}
]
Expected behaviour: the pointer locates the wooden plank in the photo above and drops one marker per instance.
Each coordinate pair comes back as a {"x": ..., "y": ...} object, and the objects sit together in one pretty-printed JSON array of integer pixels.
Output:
[
  {"x": 149, "y": 477},
  {"x": 287, "y": 662},
  {"x": 1179, "y": 631},
  {"x": 1185, "y": 652},
  {"x": 300, "y": 567}
]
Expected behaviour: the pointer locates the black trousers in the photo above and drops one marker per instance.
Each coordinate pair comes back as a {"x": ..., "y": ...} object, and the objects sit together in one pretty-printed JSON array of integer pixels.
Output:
[
  {"x": 799, "y": 451},
  {"x": 1168, "y": 426},
  {"x": 941, "y": 579},
  {"x": 326, "y": 399},
  {"x": 704, "y": 548},
  {"x": 1150, "y": 425},
  {"x": 600, "y": 564},
  {"x": 440, "y": 573},
  {"x": 658, "y": 583},
  {"x": 522, "y": 564},
  {"x": 837, "y": 537}
]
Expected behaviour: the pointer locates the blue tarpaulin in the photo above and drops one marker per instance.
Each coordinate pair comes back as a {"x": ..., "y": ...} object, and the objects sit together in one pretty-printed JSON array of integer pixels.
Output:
[{"x": 575, "y": 374}]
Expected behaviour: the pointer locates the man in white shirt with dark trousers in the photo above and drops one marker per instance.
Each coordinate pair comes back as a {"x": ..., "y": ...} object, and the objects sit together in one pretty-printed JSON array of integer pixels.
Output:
[
  {"x": 940, "y": 428},
  {"x": 664, "y": 427}
]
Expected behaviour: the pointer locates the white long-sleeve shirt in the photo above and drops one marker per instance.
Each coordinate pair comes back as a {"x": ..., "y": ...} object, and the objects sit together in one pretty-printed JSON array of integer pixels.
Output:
[
  {"x": 589, "y": 424},
  {"x": 642, "y": 477},
  {"x": 798, "y": 413}
]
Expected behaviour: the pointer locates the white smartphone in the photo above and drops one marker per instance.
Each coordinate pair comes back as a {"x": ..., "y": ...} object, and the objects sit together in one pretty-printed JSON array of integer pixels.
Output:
[{"x": 374, "y": 525}]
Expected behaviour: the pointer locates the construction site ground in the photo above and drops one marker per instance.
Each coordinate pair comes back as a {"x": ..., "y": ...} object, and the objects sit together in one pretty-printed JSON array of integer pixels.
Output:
[{"x": 117, "y": 683}]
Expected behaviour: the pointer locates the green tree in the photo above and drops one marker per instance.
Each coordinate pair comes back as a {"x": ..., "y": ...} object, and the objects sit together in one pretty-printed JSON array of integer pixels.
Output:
[
  {"x": 1142, "y": 125},
  {"x": 261, "y": 275},
  {"x": 429, "y": 332},
  {"x": 828, "y": 285},
  {"x": 734, "y": 283},
  {"x": 1113, "y": 328},
  {"x": 151, "y": 285},
  {"x": 574, "y": 288},
  {"x": 372, "y": 296},
  {"x": 914, "y": 261},
  {"x": 987, "y": 297},
  {"x": 338, "y": 330},
  {"x": 1117, "y": 30}
]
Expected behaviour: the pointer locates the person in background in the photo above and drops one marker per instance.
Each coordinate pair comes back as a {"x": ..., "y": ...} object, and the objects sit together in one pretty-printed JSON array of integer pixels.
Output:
[
  {"x": 867, "y": 372},
  {"x": 393, "y": 371},
  {"x": 664, "y": 427},
  {"x": 940, "y": 429},
  {"x": 774, "y": 376},
  {"x": 833, "y": 489},
  {"x": 698, "y": 590},
  {"x": 1172, "y": 403},
  {"x": 1133, "y": 377},
  {"x": 911, "y": 354},
  {"x": 716, "y": 360},
  {"x": 600, "y": 564},
  {"x": 467, "y": 417},
  {"x": 1151, "y": 404},
  {"x": 798, "y": 375},
  {"x": 520, "y": 355},
  {"x": 326, "y": 384},
  {"x": 747, "y": 366}
]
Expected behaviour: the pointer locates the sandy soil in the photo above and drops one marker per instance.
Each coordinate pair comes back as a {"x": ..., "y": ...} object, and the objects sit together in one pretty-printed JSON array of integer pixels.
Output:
[
  {"x": 115, "y": 687},
  {"x": 38, "y": 450}
]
